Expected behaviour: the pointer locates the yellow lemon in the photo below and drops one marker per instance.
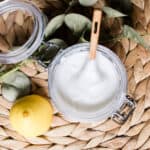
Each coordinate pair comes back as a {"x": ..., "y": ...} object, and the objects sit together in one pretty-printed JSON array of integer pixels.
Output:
[{"x": 31, "y": 116}]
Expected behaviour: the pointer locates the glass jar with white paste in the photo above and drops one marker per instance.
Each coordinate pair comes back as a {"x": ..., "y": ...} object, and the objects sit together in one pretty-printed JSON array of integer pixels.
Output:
[
  {"x": 22, "y": 31},
  {"x": 89, "y": 90}
]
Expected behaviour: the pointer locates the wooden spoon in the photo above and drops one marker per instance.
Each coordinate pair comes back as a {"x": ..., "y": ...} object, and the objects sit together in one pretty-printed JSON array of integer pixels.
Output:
[{"x": 97, "y": 17}]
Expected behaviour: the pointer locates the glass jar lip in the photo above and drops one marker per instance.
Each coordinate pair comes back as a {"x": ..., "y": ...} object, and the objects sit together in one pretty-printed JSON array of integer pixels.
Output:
[
  {"x": 111, "y": 109},
  {"x": 36, "y": 37}
]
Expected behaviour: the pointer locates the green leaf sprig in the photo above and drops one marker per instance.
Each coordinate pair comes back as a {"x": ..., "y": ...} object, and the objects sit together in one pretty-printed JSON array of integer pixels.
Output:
[
  {"x": 15, "y": 85},
  {"x": 75, "y": 22}
]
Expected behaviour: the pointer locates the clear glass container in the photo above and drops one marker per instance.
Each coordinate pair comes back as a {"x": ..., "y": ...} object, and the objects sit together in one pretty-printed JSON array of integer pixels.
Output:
[
  {"x": 35, "y": 39},
  {"x": 112, "y": 109}
]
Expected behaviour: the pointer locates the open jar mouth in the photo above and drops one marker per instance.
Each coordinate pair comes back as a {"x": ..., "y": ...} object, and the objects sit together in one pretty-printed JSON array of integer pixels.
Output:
[
  {"x": 35, "y": 39},
  {"x": 110, "y": 108}
]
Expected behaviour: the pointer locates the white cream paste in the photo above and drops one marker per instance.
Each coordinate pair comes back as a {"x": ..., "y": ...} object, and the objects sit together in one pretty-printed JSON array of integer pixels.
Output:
[{"x": 85, "y": 84}]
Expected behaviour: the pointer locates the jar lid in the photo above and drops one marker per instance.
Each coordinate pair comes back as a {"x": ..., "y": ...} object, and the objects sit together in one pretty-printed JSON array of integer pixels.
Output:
[
  {"x": 21, "y": 32},
  {"x": 96, "y": 111}
]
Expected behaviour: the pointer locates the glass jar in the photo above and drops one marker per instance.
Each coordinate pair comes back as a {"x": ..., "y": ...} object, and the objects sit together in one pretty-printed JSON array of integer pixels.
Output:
[
  {"x": 115, "y": 109},
  {"x": 35, "y": 39}
]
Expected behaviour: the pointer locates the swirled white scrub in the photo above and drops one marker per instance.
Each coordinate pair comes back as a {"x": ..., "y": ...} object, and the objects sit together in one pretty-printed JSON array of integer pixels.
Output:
[{"x": 85, "y": 85}]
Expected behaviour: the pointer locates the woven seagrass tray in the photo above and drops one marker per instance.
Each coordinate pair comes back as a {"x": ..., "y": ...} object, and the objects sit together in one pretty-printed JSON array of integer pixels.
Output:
[{"x": 105, "y": 135}]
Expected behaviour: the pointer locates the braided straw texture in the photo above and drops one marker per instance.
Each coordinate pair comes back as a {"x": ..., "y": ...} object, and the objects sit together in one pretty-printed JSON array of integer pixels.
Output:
[{"x": 105, "y": 135}]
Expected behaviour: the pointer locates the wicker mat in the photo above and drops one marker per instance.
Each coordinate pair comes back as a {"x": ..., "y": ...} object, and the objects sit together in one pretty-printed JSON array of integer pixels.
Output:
[{"x": 105, "y": 135}]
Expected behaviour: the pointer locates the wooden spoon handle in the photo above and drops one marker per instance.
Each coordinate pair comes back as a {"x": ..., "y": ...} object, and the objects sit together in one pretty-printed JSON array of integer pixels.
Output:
[{"x": 97, "y": 17}]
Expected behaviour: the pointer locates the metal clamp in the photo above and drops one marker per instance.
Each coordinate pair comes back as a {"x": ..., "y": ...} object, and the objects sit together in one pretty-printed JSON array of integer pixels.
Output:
[
  {"x": 125, "y": 111},
  {"x": 46, "y": 53}
]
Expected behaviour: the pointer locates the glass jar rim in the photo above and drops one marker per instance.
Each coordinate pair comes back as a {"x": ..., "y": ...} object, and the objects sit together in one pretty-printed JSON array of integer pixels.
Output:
[
  {"x": 36, "y": 37},
  {"x": 120, "y": 98}
]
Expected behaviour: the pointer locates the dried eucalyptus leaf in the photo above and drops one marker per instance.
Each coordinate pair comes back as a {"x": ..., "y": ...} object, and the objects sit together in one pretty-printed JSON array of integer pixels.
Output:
[
  {"x": 54, "y": 24},
  {"x": 77, "y": 23},
  {"x": 46, "y": 53},
  {"x": 19, "y": 18},
  {"x": 10, "y": 37},
  {"x": 112, "y": 13},
  {"x": 83, "y": 39},
  {"x": 10, "y": 92},
  {"x": 16, "y": 84},
  {"x": 61, "y": 43},
  {"x": 19, "y": 80},
  {"x": 131, "y": 34},
  {"x": 139, "y": 3},
  {"x": 4, "y": 46},
  {"x": 11, "y": 19},
  {"x": 87, "y": 2},
  {"x": 3, "y": 29}
]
